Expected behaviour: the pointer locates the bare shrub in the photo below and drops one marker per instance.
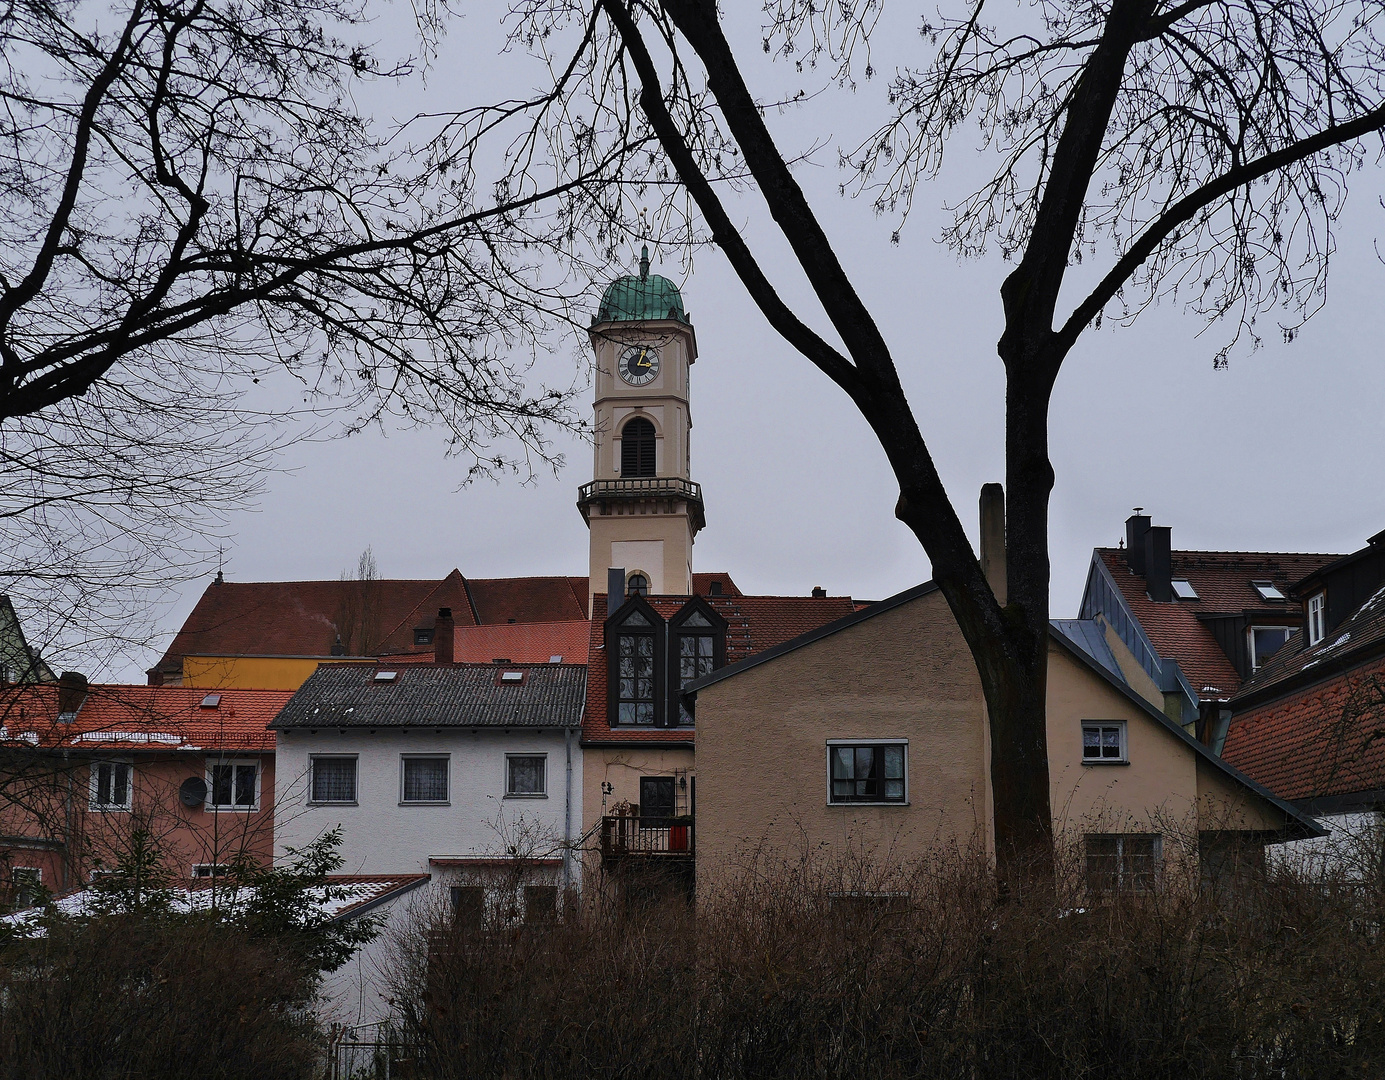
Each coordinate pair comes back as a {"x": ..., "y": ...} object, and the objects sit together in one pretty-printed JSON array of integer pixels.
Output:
[
  {"x": 859, "y": 968},
  {"x": 126, "y": 996}
]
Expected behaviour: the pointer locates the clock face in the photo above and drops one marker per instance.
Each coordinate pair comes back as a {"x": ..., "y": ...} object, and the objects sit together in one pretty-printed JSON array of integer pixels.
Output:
[{"x": 639, "y": 364}]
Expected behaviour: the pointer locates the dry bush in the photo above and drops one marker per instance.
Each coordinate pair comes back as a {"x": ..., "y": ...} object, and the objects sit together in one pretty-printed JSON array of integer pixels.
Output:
[
  {"x": 124, "y": 996},
  {"x": 853, "y": 971}
]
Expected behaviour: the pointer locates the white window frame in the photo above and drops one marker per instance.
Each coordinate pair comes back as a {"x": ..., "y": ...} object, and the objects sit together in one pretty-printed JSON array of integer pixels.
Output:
[
  {"x": 1124, "y": 728},
  {"x": 447, "y": 776},
  {"x": 1261, "y": 586},
  {"x": 231, "y": 807},
  {"x": 526, "y": 794},
  {"x": 313, "y": 759},
  {"x": 1255, "y": 662},
  {"x": 213, "y": 871},
  {"x": 1316, "y": 627},
  {"x": 864, "y": 741},
  {"x": 94, "y": 777}
]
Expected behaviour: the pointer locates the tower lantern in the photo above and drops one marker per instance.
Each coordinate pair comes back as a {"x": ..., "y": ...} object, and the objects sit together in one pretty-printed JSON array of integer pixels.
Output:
[{"x": 641, "y": 505}]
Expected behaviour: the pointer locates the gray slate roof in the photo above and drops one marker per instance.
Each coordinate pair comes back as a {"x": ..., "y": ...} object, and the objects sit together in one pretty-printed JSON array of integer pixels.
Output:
[{"x": 428, "y": 695}]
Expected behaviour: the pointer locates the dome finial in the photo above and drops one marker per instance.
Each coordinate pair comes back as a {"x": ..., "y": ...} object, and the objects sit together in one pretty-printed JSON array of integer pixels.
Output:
[{"x": 644, "y": 261}]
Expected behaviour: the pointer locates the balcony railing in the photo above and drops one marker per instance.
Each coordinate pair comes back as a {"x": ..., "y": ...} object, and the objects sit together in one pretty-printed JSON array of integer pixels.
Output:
[
  {"x": 646, "y": 836},
  {"x": 633, "y": 488}
]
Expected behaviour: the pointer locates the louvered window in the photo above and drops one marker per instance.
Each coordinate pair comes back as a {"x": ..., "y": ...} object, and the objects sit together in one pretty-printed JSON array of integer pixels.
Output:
[{"x": 637, "y": 448}]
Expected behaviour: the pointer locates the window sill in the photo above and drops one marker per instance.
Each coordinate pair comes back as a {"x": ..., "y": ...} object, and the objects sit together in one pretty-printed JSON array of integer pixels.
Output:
[
  {"x": 420, "y": 802},
  {"x": 351, "y": 803},
  {"x": 230, "y": 809},
  {"x": 1100, "y": 763},
  {"x": 848, "y": 805},
  {"x": 536, "y": 795},
  {"x": 108, "y": 809}
]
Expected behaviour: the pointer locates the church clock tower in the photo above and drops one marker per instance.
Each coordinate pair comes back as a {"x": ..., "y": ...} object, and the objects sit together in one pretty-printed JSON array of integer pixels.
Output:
[{"x": 641, "y": 506}]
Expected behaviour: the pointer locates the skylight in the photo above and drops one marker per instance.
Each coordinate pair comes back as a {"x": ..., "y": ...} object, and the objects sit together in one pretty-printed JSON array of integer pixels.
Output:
[
  {"x": 512, "y": 676},
  {"x": 1183, "y": 589},
  {"x": 556, "y": 658},
  {"x": 211, "y": 701},
  {"x": 386, "y": 676},
  {"x": 1268, "y": 591}
]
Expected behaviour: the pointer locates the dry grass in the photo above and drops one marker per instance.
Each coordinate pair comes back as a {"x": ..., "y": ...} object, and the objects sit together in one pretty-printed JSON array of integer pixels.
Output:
[{"x": 800, "y": 971}]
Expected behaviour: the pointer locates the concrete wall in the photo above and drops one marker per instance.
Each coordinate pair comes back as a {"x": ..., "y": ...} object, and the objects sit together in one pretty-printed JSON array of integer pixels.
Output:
[{"x": 380, "y": 836}]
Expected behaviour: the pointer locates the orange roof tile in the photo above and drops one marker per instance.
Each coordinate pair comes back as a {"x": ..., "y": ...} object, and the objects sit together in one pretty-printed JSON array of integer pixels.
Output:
[{"x": 143, "y": 718}]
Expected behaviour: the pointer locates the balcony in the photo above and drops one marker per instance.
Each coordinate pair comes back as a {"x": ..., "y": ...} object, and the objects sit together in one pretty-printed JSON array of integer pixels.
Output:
[
  {"x": 657, "y": 837},
  {"x": 640, "y": 489}
]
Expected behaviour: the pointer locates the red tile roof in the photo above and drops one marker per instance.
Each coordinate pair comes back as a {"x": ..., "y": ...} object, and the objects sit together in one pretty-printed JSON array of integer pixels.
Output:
[
  {"x": 143, "y": 718},
  {"x": 753, "y": 624},
  {"x": 1325, "y": 739},
  {"x": 519, "y": 643},
  {"x": 1222, "y": 581}
]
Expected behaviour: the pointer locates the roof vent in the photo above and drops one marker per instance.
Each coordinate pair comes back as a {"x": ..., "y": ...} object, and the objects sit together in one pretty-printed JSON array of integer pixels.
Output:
[
  {"x": 386, "y": 676},
  {"x": 512, "y": 676},
  {"x": 211, "y": 701}
]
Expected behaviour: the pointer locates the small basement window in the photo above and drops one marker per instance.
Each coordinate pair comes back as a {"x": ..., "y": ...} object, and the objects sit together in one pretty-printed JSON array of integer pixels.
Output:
[
  {"x": 1103, "y": 742},
  {"x": 386, "y": 676},
  {"x": 211, "y": 701},
  {"x": 1268, "y": 590},
  {"x": 1183, "y": 589}
]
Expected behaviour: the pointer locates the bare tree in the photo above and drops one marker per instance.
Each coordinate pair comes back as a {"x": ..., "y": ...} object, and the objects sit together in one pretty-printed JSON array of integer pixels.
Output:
[
  {"x": 358, "y": 621},
  {"x": 1196, "y": 149}
]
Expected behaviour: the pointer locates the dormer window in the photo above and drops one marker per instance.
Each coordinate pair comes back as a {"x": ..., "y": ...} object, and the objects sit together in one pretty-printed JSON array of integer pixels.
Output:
[
  {"x": 423, "y": 636},
  {"x": 699, "y": 640},
  {"x": 634, "y": 664},
  {"x": 1317, "y": 618},
  {"x": 1268, "y": 591}
]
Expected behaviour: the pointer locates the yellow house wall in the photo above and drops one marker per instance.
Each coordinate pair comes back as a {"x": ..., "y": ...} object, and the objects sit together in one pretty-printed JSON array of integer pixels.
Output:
[
  {"x": 252, "y": 672},
  {"x": 762, "y": 759},
  {"x": 762, "y": 737}
]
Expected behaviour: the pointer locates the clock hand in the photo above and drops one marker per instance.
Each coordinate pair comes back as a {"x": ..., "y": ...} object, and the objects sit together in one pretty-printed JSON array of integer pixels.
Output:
[{"x": 643, "y": 362}]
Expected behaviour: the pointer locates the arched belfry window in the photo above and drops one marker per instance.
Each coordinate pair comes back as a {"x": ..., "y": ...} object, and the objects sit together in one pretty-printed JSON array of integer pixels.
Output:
[
  {"x": 697, "y": 647},
  {"x": 637, "y": 585},
  {"x": 634, "y": 639},
  {"x": 637, "y": 448}
]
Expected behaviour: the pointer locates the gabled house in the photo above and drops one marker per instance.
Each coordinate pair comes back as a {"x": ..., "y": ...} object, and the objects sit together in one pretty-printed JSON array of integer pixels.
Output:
[
  {"x": 1196, "y": 623},
  {"x": 470, "y": 773},
  {"x": 869, "y": 735},
  {"x": 89, "y": 766},
  {"x": 638, "y": 735},
  {"x": 1310, "y": 724}
]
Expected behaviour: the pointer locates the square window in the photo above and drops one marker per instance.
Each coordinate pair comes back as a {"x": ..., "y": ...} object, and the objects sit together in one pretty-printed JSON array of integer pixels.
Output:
[
  {"x": 1122, "y": 863},
  {"x": 334, "y": 780},
  {"x": 525, "y": 774},
  {"x": 1103, "y": 741},
  {"x": 425, "y": 779},
  {"x": 866, "y": 772},
  {"x": 1265, "y": 641},
  {"x": 111, "y": 785},
  {"x": 232, "y": 785}
]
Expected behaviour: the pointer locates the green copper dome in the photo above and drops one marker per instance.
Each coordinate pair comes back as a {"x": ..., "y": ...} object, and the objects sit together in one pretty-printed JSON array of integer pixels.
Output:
[{"x": 640, "y": 299}]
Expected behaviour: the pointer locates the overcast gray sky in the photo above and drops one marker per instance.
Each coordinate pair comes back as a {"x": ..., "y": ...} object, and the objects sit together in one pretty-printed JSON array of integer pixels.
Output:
[{"x": 1281, "y": 451}]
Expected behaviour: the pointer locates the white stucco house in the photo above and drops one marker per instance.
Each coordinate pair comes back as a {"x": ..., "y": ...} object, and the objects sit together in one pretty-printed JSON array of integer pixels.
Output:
[{"x": 469, "y": 773}]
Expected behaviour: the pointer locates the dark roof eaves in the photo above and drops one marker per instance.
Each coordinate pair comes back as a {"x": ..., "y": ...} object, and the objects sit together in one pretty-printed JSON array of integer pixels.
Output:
[
  {"x": 826, "y": 630},
  {"x": 1310, "y": 826},
  {"x": 1303, "y": 679}
]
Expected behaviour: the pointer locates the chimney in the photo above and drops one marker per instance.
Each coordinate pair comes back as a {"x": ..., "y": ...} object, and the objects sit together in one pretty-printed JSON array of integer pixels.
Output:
[
  {"x": 615, "y": 588},
  {"x": 819, "y": 592},
  {"x": 1136, "y": 525},
  {"x": 338, "y": 649},
  {"x": 1158, "y": 571},
  {"x": 444, "y": 640},
  {"x": 993, "y": 538},
  {"x": 72, "y": 691},
  {"x": 154, "y": 676}
]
